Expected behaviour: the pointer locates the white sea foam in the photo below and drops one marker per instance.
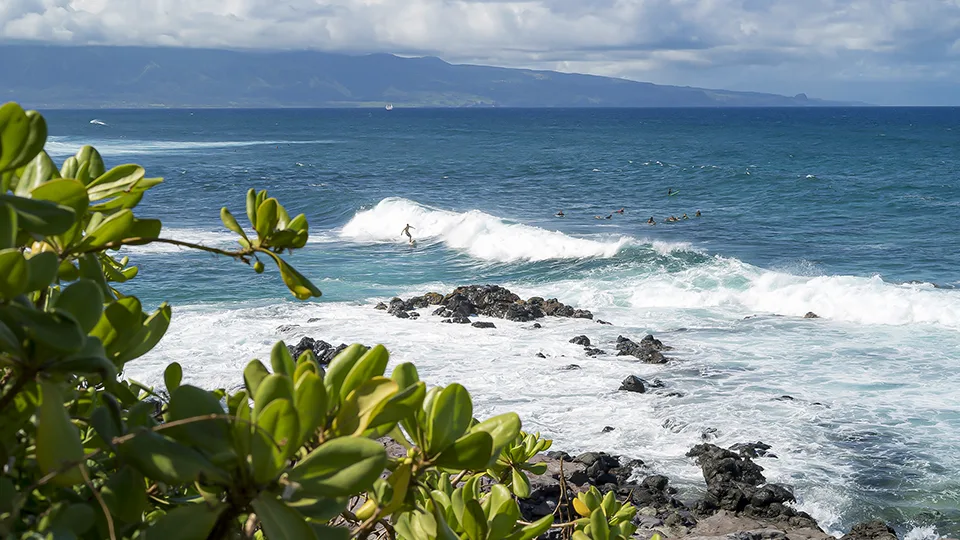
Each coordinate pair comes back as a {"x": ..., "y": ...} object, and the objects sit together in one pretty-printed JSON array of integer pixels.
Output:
[
  {"x": 66, "y": 146},
  {"x": 479, "y": 234}
]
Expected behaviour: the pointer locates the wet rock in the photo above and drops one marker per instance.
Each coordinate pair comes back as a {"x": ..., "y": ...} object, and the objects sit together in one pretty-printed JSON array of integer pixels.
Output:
[
  {"x": 752, "y": 450},
  {"x": 607, "y": 429},
  {"x": 433, "y": 299},
  {"x": 324, "y": 351},
  {"x": 581, "y": 340},
  {"x": 736, "y": 484},
  {"x": 647, "y": 351},
  {"x": 381, "y": 306},
  {"x": 537, "y": 325},
  {"x": 416, "y": 302},
  {"x": 400, "y": 314},
  {"x": 593, "y": 351},
  {"x": 871, "y": 530},
  {"x": 811, "y": 315},
  {"x": 633, "y": 384},
  {"x": 598, "y": 321},
  {"x": 313, "y": 319},
  {"x": 457, "y": 320},
  {"x": 541, "y": 355},
  {"x": 483, "y": 324},
  {"x": 286, "y": 328},
  {"x": 559, "y": 455},
  {"x": 581, "y": 314},
  {"x": 785, "y": 398},
  {"x": 570, "y": 367}
]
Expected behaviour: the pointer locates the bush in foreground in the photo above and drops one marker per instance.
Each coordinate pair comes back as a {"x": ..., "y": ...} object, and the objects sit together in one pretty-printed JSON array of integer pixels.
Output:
[{"x": 292, "y": 454}]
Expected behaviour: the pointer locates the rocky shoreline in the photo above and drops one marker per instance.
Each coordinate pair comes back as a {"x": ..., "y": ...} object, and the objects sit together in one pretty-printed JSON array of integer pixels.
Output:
[{"x": 738, "y": 503}]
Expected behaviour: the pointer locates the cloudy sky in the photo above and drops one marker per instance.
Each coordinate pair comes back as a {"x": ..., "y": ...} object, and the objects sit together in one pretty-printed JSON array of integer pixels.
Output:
[{"x": 880, "y": 51}]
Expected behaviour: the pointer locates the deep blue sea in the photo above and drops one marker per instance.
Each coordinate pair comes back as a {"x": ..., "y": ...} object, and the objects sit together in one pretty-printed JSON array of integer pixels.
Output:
[{"x": 853, "y": 214}]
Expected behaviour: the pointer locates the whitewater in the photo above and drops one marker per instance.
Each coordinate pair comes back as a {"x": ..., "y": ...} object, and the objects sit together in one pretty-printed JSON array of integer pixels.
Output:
[{"x": 803, "y": 212}]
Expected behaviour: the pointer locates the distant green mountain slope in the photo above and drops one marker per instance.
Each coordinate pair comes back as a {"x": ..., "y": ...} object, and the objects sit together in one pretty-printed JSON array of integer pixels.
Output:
[{"x": 80, "y": 77}]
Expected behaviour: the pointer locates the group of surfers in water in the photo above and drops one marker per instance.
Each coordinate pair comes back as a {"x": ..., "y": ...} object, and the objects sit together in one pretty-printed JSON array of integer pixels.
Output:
[{"x": 650, "y": 221}]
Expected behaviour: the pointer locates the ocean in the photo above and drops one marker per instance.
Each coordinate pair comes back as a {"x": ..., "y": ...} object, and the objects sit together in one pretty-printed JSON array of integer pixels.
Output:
[{"x": 853, "y": 214}]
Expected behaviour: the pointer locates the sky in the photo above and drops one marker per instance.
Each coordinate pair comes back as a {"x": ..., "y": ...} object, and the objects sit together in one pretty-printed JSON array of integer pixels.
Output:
[{"x": 885, "y": 52}]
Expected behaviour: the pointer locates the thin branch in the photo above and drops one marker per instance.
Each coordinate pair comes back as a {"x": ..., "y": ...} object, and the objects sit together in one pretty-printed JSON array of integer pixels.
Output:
[
  {"x": 138, "y": 241},
  {"x": 103, "y": 505}
]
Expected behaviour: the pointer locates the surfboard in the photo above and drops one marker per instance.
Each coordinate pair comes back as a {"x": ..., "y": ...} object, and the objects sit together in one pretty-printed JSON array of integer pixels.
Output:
[{"x": 674, "y": 193}]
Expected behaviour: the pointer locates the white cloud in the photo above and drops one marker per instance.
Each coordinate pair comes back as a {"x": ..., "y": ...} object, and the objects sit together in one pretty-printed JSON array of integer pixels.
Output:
[{"x": 698, "y": 42}]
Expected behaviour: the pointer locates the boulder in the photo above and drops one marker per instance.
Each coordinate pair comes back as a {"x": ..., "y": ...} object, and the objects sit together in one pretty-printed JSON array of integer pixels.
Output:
[
  {"x": 647, "y": 351},
  {"x": 456, "y": 320},
  {"x": 569, "y": 367},
  {"x": 381, "y": 306},
  {"x": 607, "y": 429},
  {"x": 871, "y": 530},
  {"x": 752, "y": 450},
  {"x": 433, "y": 299},
  {"x": 324, "y": 351},
  {"x": 581, "y": 340},
  {"x": 598, "y": 321},
  {"x": 483, "y": 324},
  {"x": 811, "y": 315},
  {"x": 593, "y": 351},
  {"x": 633, "y": 384}
]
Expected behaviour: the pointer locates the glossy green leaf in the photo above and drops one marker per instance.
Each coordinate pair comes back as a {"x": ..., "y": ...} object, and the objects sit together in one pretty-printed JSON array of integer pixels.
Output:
[
  {"x": 340, "y": 467},
  {"x": 162, "y": 458},
  {"x": 58, "y": 440},
  {"x": 301, "y": 287},
  {"x": 9, "y": 342},
  {"x": 503, "y": 429},
  {"x": 310, "y": 399},
  {"x": 253, "y": 375},
  {"x": 274, "y": 386},
  {"x": 535, "y": 529},
  {"x": 252, "y": 206},
  {"x": 598, "y": 526},
  {"x": 212, "y": 435},
  {"x": 363, "y": 404},
  {"x": 144, "y": 228},
  {"x": 64, "y": 191},
  {"x": 114, "y": 228},
  {"x": 150, "y": 333},
  {"x": 520, "y": 484},
  {"x": 405, "y": 374},
  {"x": 125, "y": 494},
  {"x": 280, "y": 522},
  {"x": 372, "y": 364},
  {"x": 266, "y": 217},
  {"x": 172, "y": 376},
  {"x": 43, "y": 270},
  {"x": 56, "y": 330},
  {"x": 90, "y": 359},
  {"x": 8, "y": 226},
  {"x": 471, "y": 452},
  {"x": 188, "y": 522},
  {"x": 474, "y": 521},
  {"x": 280, "y": 359},
  {"x": 119, "y": 179},
  {"x": 338, "y": 369},
  {"x": 40, "y": 217},
  {"x": 90, "y": 157},
  {"x": 84, "y": 301},
  {"x": 119, "y": 325},
  {"x": 90, "y": 268},
  {"x": 275, "y": 439},
  {"x": 22, "y": 136},
  {"x": 449, "y": 417},
  {"x": 230, "y": 222},
  {"x": 14, "y": 273},
  {"x": 38, "y": 171}
]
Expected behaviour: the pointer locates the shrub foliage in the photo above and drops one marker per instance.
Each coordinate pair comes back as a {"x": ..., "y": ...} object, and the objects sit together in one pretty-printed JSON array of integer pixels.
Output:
[{"x": 296, "y": 451}]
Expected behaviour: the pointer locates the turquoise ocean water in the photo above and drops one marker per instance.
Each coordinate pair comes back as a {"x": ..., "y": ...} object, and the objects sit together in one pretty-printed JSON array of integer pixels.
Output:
[{"x": 853, "y": 214}]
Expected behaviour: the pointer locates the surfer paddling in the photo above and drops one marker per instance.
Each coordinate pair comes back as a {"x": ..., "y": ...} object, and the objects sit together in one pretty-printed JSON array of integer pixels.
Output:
[{"x": 406, "y": 231}]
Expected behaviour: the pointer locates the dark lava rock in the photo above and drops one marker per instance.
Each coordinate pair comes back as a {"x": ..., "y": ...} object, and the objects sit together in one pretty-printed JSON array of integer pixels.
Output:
[
  {"x": 785, "y": 398},
  {"x": 598, "y": 321},
  {"x": 752, "y": 450},
  {"x": 581, "y": 340},
  {"x": 633, "y": 384},
  {"x": 313, "y": 319},
  {"x": 284, "y": 328},
  {"x": 324, "y": 351},
  {"x": 647, "y": 351},
  {"x": 570, "y": 367},
  {"x": 541, "y": 355},
  {"x": 400, "y": 314},
  {"x": 381, "y": 306},
  {"x": 607, "y": 429},
  {"x": 457, "y": 320},
  {"x": 870, "y": 530},
  {"x": 811, "y": 315},
  {"x": 536, "y": 325},
  {"x": 483, "y": 324},
  {"x": 433, "y": 299},
  {"x": 735, "y": 483},
  {"x": 416, "y": 302},
  {"x": 593, "y": 351},
  {"x": 560, "y": 455}
]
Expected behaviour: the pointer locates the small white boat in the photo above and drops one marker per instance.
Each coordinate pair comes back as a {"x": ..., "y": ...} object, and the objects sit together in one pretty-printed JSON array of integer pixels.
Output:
[
  {"x": 98, "y": 122},
  {"x": 389, "y": 106}
]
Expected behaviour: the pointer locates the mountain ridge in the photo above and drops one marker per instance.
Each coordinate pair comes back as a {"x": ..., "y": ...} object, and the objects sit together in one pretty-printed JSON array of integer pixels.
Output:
[{"x": 147, "y": 77}]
